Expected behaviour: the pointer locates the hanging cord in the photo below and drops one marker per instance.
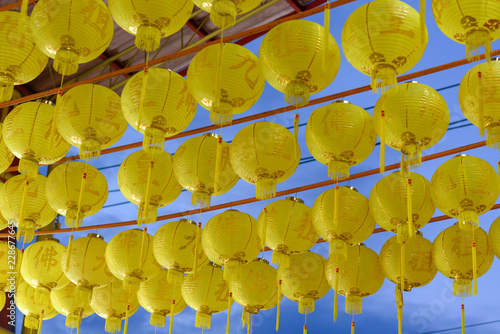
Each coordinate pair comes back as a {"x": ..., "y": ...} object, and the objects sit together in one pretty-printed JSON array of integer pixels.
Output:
[
  {"x": 382, "y": 141},
  {"x": 229, "y": 303},
  {"x": 143, "y": 91},
  {"x": 53, "y": 127}
]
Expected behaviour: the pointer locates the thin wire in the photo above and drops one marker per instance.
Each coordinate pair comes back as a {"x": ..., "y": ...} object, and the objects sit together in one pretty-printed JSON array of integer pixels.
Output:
[{"x": 466, "y": 326}]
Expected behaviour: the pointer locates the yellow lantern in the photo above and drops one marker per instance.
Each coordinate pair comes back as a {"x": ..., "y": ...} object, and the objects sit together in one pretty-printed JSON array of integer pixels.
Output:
[
  {"x": 25, "y": 205},
  {"x": 422, "y": 125},
  {"x": 34, "y": 313},
  {"x": 285, "y": 227},
  {"x": 223, "y": 12},
  {"x": 113, "y": 303},
  {"x": 71, "y": 32},
  {"x": 207, "y": 293},
  {"x": 21, "y": 61},
  {"x": 9, "y": 275},
  {"x": 150, "y": 21},
  {"x": 398, "y": 196},
  {"x": 76, "y": 190},
  {"x": 299, "y": 58},
  {"x": 162, "y": 108},
  {"x": 465, "y": 187},
  {"x": 6, "y": 156},
  {"x": 160, "y": 189},
  {"x": 340, "y": 135},
  {"x": 382, "y": 39},
  {"x": 90, "y": 118},
  {"x": 342, "y": 217},
  {"x": 177, "y": 247},
  {"x": 255, "y": 289},
  {"x": 475, "y": 24},
  {"x": 86, "y": 266},
  {"x": 494, "y": 234},
  {"x": 161, "y": 298},
  {"x": 225, "y": 79},
  {"x": 129, "y": 256},
  {"x": 41, "y": 268},
  {"x": 479, "y": 98},
  {"x": 66, "y": 303},
  {"x": 264, "y": 154},
  {"x": 202, "y": 166},
  {"x": 27, "y": 133},
  {"x": 3, "y": 299}
]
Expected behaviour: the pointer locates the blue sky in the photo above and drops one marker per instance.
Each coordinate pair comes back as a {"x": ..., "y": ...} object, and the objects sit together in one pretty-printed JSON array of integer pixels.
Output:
[{"x": 427, "y": 309}]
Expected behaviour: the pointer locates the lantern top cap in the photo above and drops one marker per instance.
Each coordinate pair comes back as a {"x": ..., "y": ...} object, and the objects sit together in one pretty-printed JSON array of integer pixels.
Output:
[
  {"x": 50, "y": 103},
  {"x": 461, "y": 155},
  {"x": 210, "y": 134},
  {"x": 352, "y": 188},
  {"x": 341, "y": 101},
  {"x": 262, "y": 260},
  {"x": 95, "y": 235},
  {"x": 184, "y": 220},
  {"x": 295, "y": 199},
  {"x": 51, "y": 239},
  {"x": 210, "y": 263}
]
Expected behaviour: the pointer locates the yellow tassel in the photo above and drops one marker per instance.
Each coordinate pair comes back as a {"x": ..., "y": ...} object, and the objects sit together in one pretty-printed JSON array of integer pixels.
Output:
[
  {"x": 399, "y": 306},
  {"x": 263, "y": 233},
  {"x": 40, "y": 322},
  {"x": 409, "y": 204},
  {"x": 336, "y": 298},
  {"x": 197, "y": 243},
  {"x": 266, "y": 188},
  {"x": 203, "y": 320},
  {"x": 352, "y": 327},
  {"x": 24, "y": 13},
  {"x": 144, "y": 233},
  {"x": 400, "y": 320},
  {"x": 462, "y": 287},
  {"x": 218, "y": 163},
  {"x": 144, "y": 215},
  {"x": 353, "y": 305},
  {"x": 480, "y": 97},
  {"x": 463, "y": 319},
  {"x": 27, "y": 238},
  {"x": 143, "y": 96},
  {"x": 245, "y": 319},
  {"x": 326, "y": 33},
  {"x": 70, "y": 248},
  {"x": 338, "y": 249},
  {"x": 218, "y": 79},
  {"x": 305, "y": 329},
  {"x": 382, "y": 142},
  {"x": 474, "y": 41},
  {"x": 336, "y": 207},
  {"x": 171, "y": 316},
  {"x": 338, "y": 170},
  {"x": 296, "y": 126},
  {"x": 229, "y": 303},
  {"x": 278, "y": 306},
  {"x": 474, "y": 267},
  {"x": 125, "y": 326},
  {"x": 422, "y": 21},
  {"x": 402, "y": 272},
  {"x": 53, "y": 128}
]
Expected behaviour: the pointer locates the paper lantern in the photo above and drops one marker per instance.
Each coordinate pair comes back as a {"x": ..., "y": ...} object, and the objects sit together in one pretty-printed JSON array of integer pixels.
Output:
[
  {"x": 255, "y": 289},
  {"x": 494, "y": 234},
  {"x": 202, "y": 166},
  {"x": 76, "y": 190},
  {"x": 27, "y": 132},
  {"x": 383, "y": 39},
  {"x": 397, "y": 196},
  {"x": 264, "y": 154},
  {"x": 469, "y": 22},
  {"x": 150, "y": 21},
  {"x": 113, "y": 303},
  {"x": 207, "y": 293},
  {"x": 285, "y": 227},
  {"x": 25, "y": 205},
  {"x": 230, "y": 239},
  {"x": 65, "y": 302},
  {"x": 10, "y": 260},
  {"x": 223, "y": 12},
  {"x": 90, "y": 118},
  {"x": 225, "y": 79},
  {"x": 342, "y": 217},
  {"x": 129, "y": 256},
  {"x": 177, "y": 247},
  {"x": 162, "y": 108},
  {"x": 422, "y": 124},
  {"x": 41, "y": 268},
  {"x": 299, "y": 58},
  {"x": 465, "y": 187},
  {"x": 6, "y": 156},
  {"x": 21, "y": 61},
  {"x": 71, "y": 32},
  {"x": 147, "y": 180},
  {"x": 160, "y": 298},
  {"x": 340, "y": 135},
  {"x": 479, "y": 98},
  {"x": 34, "y": 313}
]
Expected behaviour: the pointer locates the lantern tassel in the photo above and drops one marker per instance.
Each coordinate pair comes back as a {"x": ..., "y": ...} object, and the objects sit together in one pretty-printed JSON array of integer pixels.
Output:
[
  {"x": 278, "y": 311},
  {"x": 412, "y": 156},
  {"x": 229, "y": 304},
  {"x": 203, "y": 320},
  {"x": 200, "y": 199},
  {"x": 113, "y": 324},
  {"x": 383, "y": 77},
  {"x": 305, "y": 329},
  {"x": 400, "y": 320},
  {"x": 474, "y": 267},
  {"x": 31, "y": 321},
  {"x": 83, "y": 294},
  {"x": 296, "y": 126},
  {"x": 143, "y": 239},
  {"x": 266, "y": 188},
  {"x": 338, "y": 170},
  {"x": 336, "y": 207},
  {"x": 353, "y": 305},
  {"x": 53, "y": 126},
  {"x": 175, "y": 276},
  {"x": 143, "y": 96},
  {"x": 74, "y": 319},
  {"x": 171, "y": 316},
  {"x": 28, "y": 235},
  {"x": 422, "y": 22},
  {"x": 223, "y": 13},
  {"x": 474, "y": 41},
  {"x": 281, "y": 258},
  {"x": 40, "y": 322},
  {"x": 352, "y": 327},
  {"x": 399, "y": 305},
  {"x": 297, "y": 93},
  {"x": 402, "y": 233},
  {"x": 326, "y": 33},
  {"x": 157, "y": 319},
  {"x": 468, "y": 220},
  {"x": 306, "y": 305},
  {"x": 480, "y": 109},
  {"x": 218, "y": 110},
  {"x": 6, "y": 87},
  {"x": 218, "y": 163},
  {"x": 245, "y": 318},
  {"x": 125, "y": 325},
  {"x": 275, "y": 260},
  {"x": 148, "y": 37},
  {"x": 409, "y": 204},
  {"x": 463, "y": 319},
  {"x": 462, "y": 287},
  {"x": 382, "y": 142},
  {"x": 70, "y": 248},
  {"x": 402, "y": 273},
  {"x": 42, "y": 296},
  {"x": 336, "y": 298},
  {"x": 196, "y": 247},
  {"x": 338, "y": 249},
  {"x": 144, "y": 214}
]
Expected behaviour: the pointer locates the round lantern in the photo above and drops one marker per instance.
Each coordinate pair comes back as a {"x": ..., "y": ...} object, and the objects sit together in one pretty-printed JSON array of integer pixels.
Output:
[
  {"x": 144, "y": 112},
  {"x": 90, "y": 118},
  {"x": 21, "y": 61},
  {"x": 28, "y": 134},
  {"x": 129, "y": 256},
  {"x": 225, "y": 79},
  {"x": 340, "y": 135},
  {"x": 41, "y": 268},
  {"x": 9, "y": 277},
  {"x": 475, "y": 24},
  {"x": 383, "y": 39},
  {"x": 6, "y": 156},
  {"x": 223, "y": 12},
  {"x": 230, "y": 239},
  {"x": 147, "y": 180},
  {"x": 398, "y": 196},
  {"x": 202, "y": 166},
  {"x": 299, "y": 58},
  {"x": 87, "y": 266},
  {"x": 479, "y": 98},
  {"x": 207, "y": 293},
  {"x": 422, "y": 125},
  {"x": 25, "y": 205},
  {"x": 494, "y": 234},
  {"x": 465, "y": 187},
  {"x": 71, "y": 32},
  {"x": 113, "y": 303},
  {"x": 264, "y": 154},
  {"x": 161, "y": 298},
  {"x": 34, "y": 313},
  {"x": 177, "y": 247},
  {"x": 285, "y": 227},
  {"x": 66, "y": 303},
  {"x": 255, "y": 289},
  {"x": 342, "y": 217},
  {"x": 150, "y": 21},
  {"x": 76, "y": 190}
]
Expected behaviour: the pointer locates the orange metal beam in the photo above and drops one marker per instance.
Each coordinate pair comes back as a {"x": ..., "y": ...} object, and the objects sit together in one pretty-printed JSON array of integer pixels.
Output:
[{"x": 14, "y": 5}]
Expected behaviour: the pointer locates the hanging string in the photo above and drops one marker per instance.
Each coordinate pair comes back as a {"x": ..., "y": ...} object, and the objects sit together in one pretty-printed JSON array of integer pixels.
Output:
[
  {"x": 278, "y": 310},
  {"x": 409, "y": 204},
  {"x": 402, "y": 268},
  {"x": 326, "y": 33},
  {"x": 336, "y": 298},
  {"x": 141, "y": 262},
  {"x": 145, "y": 219},
  {"x": 382, "y": 142},
  {"x": 218, "y": 163},
  {"x": 53, "y": 128},
  {"x": 480, "y": 109},
  {"x": 143, "y": 91},
  {"x": 21, "y": 212},
  {"x": 474, "y": 263},
  {"x": 336, "y": 207},
  {"x": 218, "y": 79},
  {"x": 197, "y": 242},
  {"x": 264, "y": 230}
]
